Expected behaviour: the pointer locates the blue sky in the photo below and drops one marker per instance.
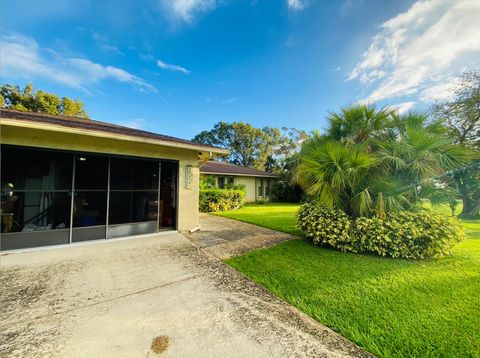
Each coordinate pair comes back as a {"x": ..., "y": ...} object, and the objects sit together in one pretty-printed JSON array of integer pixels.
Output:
[{"x": 179, "y": 66}]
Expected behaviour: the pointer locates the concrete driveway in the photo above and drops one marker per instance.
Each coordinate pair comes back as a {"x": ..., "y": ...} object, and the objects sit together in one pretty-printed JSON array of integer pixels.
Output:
[{"x": 113, "y": 299}]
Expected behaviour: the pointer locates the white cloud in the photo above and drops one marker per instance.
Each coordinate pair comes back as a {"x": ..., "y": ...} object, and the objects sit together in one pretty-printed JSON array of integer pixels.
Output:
[
  {"x": 440, "y": 91},
  {"x": 372, "y": 76},
  {"x": 22, "y": 57},
  {"x": 416, "y": 53},
  {"x": 170, "y": 67},
  {"x": 102, "y": 40},
  {"x": 296, "y": 4},
  {"x": 403, "y": 107},
  {"x": 185, "y": 10}
]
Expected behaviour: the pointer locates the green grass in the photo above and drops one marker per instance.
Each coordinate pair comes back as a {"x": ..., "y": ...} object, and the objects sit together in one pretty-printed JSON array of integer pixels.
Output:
[
  {"x": 392, "y": 308},
  {"x": 276, "y": 216}
]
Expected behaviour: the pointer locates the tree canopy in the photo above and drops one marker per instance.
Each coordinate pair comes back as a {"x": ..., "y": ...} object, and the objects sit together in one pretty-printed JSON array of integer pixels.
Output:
[
  {"x": 28, "y": 99},
  {"x": 250, "y": 146},
  {"x": 461, "y": 115}
]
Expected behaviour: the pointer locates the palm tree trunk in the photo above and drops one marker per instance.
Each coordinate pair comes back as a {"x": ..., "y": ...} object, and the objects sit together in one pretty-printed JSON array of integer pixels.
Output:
[{"x": 470, "y": 208}]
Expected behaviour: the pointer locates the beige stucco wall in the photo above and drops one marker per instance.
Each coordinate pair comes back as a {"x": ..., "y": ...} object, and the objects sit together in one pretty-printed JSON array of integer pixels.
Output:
[
  {"x": 187, "y": 198},
  {"x": 250, "y": 187}
]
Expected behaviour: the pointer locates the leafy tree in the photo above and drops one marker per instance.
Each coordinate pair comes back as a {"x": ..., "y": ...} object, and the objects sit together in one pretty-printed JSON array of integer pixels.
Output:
[
  {"x": 249, "y": 146},
  {"x": 461, "y": 115},
  {"x": 73, "y": 108},
  {"x": 264, "y": 148},
  {"x": 284, "y": 162},
  {"x": 290, "y": 142},
  {"x": 286, "y": 189},
  {"x": 28, "y": 99},
  {"x": 288, "y": 146},
  {"x": 374, "y": 161}
]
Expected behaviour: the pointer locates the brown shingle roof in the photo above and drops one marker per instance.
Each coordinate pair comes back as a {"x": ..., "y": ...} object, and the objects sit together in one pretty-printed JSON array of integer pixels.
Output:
[
  {"x": 90, "y": 124},
  {"x": 231, "y": 169}
]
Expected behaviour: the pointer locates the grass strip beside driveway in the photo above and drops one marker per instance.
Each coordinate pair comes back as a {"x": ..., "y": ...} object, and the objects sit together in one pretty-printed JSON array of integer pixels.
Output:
[
  {"x": 276, "y": 216},
  {"x": 392, "y": 308}
]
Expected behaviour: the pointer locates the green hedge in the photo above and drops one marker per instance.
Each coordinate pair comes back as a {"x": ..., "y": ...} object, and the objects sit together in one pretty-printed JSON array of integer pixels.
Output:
[
  {"x": 221, "y": 199},
  {"x": 412, "y": 235}
]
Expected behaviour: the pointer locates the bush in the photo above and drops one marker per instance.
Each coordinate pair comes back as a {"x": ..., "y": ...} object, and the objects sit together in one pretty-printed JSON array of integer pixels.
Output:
[
  {"x": 236, "y": 186},
  {"x": 221, "y": 199},
  {"x": 330, "y": 227},
  {"x": 412, "y": 235},
  {"x": 207, "y": 182},
  {"x": 285, "y": 192}
]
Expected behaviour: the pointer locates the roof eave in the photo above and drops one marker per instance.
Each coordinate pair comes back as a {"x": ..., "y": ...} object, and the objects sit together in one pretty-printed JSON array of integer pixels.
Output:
[
  {"x": 241, "y": 175},
  {"x": 96, "y": 133}
]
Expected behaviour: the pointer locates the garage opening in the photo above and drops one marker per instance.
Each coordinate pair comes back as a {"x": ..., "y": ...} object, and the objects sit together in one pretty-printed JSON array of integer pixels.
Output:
[{"x": 52, "y": 197}]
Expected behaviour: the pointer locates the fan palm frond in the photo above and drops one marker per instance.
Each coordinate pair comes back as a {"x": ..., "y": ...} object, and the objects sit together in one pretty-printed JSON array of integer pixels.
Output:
[{"x": 376, "y": 161}]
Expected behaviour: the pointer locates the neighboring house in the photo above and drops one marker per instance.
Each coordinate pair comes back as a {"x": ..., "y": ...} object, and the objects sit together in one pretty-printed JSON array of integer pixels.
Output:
[
  {"x": 66, "y": 180},
  {"x": 257, "y": 182}
]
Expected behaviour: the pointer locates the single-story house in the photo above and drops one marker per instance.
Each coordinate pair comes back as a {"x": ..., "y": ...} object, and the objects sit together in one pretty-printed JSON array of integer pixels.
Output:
[
  {"x": 66, "y": 180},
  {"x": 257, "y": 182}
]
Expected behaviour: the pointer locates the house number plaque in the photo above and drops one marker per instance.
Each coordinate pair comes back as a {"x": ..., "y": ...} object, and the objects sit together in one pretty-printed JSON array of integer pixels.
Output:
[{"x": 188, "y": 176}]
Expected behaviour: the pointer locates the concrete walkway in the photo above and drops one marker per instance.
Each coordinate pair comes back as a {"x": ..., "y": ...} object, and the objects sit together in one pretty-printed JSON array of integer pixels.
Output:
[
  {"x": 113, "y": 299},
  {"x": 224, "y": 237}
]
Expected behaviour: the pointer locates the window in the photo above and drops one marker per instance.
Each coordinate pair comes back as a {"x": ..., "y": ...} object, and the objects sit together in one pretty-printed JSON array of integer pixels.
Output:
[
  {"x": 267, "y": 188},
  {"x": 260, "y": 187},
  {"x": 225, "y": 182}
]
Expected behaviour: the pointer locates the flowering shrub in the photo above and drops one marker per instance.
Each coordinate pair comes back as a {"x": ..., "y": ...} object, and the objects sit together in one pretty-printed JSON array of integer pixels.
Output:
[
  {"x": 412, "y": 235},
  {"x": 221, "y": 199},
  {"x": 329, "y": 227}
]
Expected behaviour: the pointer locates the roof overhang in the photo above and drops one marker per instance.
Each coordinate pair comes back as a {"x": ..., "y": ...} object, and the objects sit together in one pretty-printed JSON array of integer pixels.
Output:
[
  {"x": 101, "y": 134},
  {"x": 241, "y": 175}
]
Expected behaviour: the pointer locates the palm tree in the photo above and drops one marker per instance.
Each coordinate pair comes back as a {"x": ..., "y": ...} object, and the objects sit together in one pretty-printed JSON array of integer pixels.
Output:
[
  {"x": 358, "y": 123},
  {"x": 377, "y": 165}
]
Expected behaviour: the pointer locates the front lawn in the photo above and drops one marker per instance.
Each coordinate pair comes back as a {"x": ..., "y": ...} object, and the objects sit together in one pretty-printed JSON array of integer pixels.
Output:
[
  {"x": 276, "y": 216},
  {"x": 392, "y": 308}
]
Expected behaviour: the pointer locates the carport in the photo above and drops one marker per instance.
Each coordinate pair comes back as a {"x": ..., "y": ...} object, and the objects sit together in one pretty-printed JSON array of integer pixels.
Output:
[{"x": 67, "y": 180}]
